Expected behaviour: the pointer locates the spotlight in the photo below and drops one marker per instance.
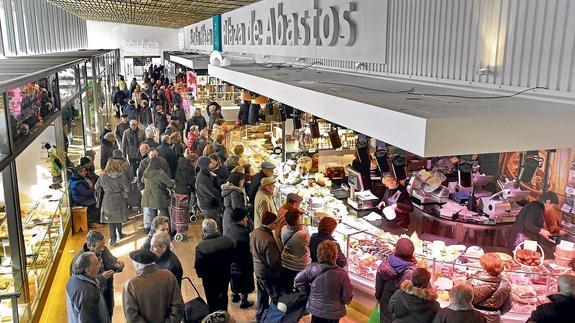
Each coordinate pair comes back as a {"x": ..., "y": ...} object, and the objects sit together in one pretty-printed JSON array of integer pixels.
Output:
[
  {"x": 398, "y": 164},
  {"x": 270, "y": 106},
  {"x": 382, "y": 161},
  {"x": 465, "y": 173},
  {"x": 334, "y": 138},
  {"x": 314, "y": 129},
  {"x": 296, "y": 120}
]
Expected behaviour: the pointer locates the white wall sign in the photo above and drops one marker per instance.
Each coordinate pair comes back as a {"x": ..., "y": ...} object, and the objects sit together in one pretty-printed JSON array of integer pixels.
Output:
[
  {"x": 140, "y": 44},
  {"x": 199, "y": 36},
  {"x": 333, "y": 29}
]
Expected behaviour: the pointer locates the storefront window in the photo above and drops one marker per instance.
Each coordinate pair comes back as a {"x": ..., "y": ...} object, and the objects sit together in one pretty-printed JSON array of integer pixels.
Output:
[
  {"x": 29, "y": 105},
  {"x": 72, "y": 128},
  {"x": 44, "y": 206},
  {"x": 4, "y": 148},
  {"x": 67, "y": 85}
]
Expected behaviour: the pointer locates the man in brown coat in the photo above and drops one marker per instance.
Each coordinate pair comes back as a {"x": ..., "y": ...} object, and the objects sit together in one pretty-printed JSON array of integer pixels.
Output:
[
  {"x": 267, "y": 264},
  {"x": 154, "y": 294}
]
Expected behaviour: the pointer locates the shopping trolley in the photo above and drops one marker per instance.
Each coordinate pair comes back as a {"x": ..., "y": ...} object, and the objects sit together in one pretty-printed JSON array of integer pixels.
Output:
[{"x": 179, "y": 212}]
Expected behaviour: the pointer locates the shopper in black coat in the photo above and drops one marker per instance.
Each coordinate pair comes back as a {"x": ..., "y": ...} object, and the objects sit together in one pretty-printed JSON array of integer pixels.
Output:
[
  {"x": 244, "y": 113},
  {"x": 108, "y": 146},
  {"x": 214, "y": 256},
  {"x": 208, "y": 190},
  {"x": 160, "y": 119},
  {"x": 562, "y": 305},
  {"x": 165, "y": 151},
  {"x": 196, "y": 120},
  {"x": 186, "y": 174},
  {"x": 222, "y": 174},
  {"x": 242, "y": 278}
]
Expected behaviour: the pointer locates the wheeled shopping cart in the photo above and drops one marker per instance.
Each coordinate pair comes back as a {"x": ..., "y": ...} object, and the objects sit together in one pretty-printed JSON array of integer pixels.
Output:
[{"x": 179, "y": 213}]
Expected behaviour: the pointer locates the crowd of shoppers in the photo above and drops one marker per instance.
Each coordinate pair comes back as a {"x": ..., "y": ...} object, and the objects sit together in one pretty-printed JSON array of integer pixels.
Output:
[{"x": 159, "y": 152}]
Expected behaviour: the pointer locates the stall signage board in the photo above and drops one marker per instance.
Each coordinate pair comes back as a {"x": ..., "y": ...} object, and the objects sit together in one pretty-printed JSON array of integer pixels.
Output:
[
  {"x": 327, "y": 29},
  {"x": 199, "y": 36}
]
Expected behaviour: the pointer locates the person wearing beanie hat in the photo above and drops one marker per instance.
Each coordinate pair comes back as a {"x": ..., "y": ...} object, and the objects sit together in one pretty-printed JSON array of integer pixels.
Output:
[
  {"x": 267, "y": 263},
  {"x": 121, "y": 127},
  {"x": 234, "y": 196},
  {"x": 153, "y": 295},
  {"x": 208, "y": 191},
  {"x": 391, "y": 273},
  {"x": 264, "y": 200},
  {"x": 415, "y": 301},
  {"x": 242, "y": 282}
]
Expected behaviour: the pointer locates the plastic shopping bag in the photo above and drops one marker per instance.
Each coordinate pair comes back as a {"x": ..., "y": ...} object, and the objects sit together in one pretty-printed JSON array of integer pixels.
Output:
[{"x": 374, "y": 317}]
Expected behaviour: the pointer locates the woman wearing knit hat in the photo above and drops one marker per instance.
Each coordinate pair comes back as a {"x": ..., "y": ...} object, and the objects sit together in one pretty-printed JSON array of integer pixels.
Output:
[{"x": 391, "y": 273}]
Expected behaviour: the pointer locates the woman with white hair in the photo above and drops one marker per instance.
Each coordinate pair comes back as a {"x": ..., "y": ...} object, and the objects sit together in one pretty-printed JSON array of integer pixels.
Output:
[
  {"x": 151, "y": 134},
  {"x": 461, "y": 308}
]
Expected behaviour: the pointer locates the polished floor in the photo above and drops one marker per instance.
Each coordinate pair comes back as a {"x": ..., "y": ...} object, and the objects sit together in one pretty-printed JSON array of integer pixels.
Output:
[{"x": 55, "y": 307}]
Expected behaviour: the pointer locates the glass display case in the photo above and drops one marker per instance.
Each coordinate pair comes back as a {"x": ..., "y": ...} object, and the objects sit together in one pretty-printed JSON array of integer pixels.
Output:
[
  {"x": 530, "y": 284},
  {"x": 30, "y": 104}
]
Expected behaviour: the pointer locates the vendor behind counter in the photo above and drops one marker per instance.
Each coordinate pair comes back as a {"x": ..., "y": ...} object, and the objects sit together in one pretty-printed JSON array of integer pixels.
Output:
[{"x": 530, "y": 223}]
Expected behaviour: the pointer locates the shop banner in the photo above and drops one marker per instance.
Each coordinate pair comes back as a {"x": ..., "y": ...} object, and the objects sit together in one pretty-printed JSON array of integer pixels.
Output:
[
  {"x": 199, "y": 37},
  {"x": 328, "y": 29}
]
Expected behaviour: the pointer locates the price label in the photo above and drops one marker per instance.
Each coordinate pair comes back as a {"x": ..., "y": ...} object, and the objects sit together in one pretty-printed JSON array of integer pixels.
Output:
[
  {"x": 530, "y": 245},
  {"x": 570, "y": 190},
  {"x": 566, "y": 208},
  {"x": 566, "y": 245}
]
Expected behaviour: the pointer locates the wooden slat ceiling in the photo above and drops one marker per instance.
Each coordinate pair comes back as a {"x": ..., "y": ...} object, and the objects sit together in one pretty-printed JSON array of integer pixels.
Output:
[{"x": 160, "y": 13}]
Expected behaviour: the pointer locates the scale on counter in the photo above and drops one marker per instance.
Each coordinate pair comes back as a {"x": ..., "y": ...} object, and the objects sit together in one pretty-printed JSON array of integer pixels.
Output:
[{"x": 359, "y": 198}]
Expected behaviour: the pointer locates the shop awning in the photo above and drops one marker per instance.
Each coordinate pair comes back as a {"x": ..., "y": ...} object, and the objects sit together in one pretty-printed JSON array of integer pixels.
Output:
[
  {"x": 190, "y": 60},
  {"x": 416, "y": 117}
]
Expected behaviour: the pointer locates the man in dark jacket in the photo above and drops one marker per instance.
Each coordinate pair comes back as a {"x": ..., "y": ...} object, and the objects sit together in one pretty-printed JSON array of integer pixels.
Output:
[
  {"x": 196, "y": 120},
  {"x": 244, "y": 112},
  {"x": 214, "y": 256},
  {"x": 160, "y": 245},
  {"x": 165, "y": 151},
  {"x": 84, "y": 301},
  {"x": 201, "y": 143},
  {"x": 208, "y": 190},
  {"x": 243, "y": 266},
  {"x": 119, "y": 99},
  {"x": 530, "y": 221},
  {"x": 220, "y": 149},
  {"x": 562, "y": 306},
  {"x": 82, "y": 192},
  {"x": 121, "y": 128},
  {"x": 391, "y": 273},
  {"x": 180, "y": 115},
  {"x": 267, "y": 264},
  {"x": 107, "y": 128},
  {"x": 131, "y": 141},
  {"x": 267, "y": 170},
  {"x": 108, "y": 265},
  {"x": 222, "y": 173}
]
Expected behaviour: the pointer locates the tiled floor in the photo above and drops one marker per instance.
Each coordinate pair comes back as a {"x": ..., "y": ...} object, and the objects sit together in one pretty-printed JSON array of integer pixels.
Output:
[{"x": 55, "y": 308}]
